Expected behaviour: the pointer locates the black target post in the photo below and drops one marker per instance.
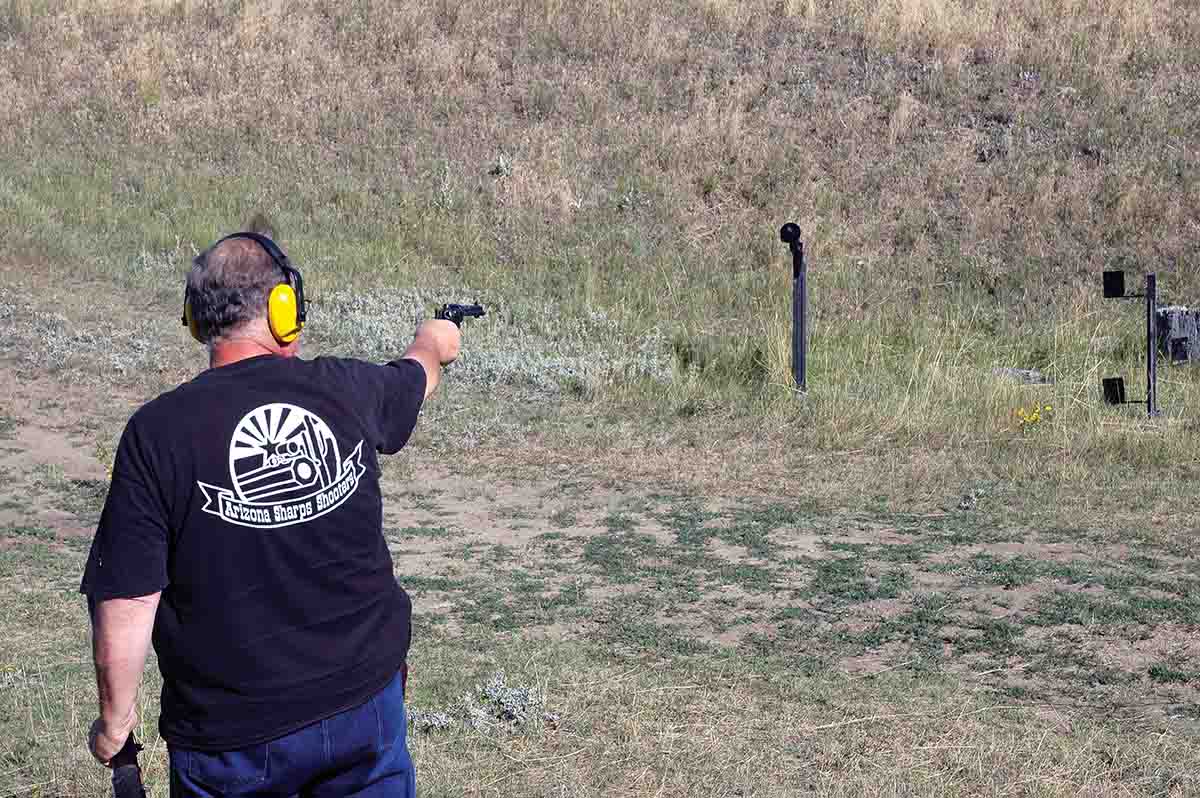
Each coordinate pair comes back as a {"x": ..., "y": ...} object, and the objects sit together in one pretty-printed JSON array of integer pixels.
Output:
[
  {"x": 790, "y": 235},
  {"x": 1152, "y": 345}
]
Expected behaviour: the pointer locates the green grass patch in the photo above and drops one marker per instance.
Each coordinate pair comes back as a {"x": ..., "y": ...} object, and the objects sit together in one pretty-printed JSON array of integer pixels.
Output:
[
  {"x": 417, "y": 583},
  {"x": 25, "y": 532},
  {"x": 996, "y": 637},
  {"x": 1165, "y": 673},
  {"x": 619, "y": 522},
  {"x": 424, "y": 533},
  {"x": 1084, "y": 609},
  {"x": 1007, "y": 572},
  {"x": 919, "y": 627},
  {"x": 621, "y": 558},
  {"x": 849, "y": 580}
]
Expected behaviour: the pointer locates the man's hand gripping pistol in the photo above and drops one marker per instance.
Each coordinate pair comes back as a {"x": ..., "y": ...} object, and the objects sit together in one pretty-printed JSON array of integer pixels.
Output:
[
  {"x": 127, "y": 775},
  {"x": 456, "y": 313}
]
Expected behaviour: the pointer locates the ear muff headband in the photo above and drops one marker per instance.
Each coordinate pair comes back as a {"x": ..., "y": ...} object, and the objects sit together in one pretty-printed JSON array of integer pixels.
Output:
[
  {"x": 188, "y": 321},
  {"x": 286, "y": 308}
]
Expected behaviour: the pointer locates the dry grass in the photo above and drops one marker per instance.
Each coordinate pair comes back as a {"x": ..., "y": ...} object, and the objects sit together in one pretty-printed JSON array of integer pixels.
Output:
[
  {"x": 962, "y": 173},
  {"x": 675, "y": 731},
  {"x": 631, "y": 727}
]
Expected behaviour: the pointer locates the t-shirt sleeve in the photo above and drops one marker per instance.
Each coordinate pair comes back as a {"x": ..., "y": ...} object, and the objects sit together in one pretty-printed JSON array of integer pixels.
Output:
[
  {"x": 129, "y": 553},
  {"x": 399, "y": 391}
]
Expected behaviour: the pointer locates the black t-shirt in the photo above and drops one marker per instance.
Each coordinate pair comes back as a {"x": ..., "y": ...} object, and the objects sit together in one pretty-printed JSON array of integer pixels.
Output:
[{"x": 250, "y": 497}]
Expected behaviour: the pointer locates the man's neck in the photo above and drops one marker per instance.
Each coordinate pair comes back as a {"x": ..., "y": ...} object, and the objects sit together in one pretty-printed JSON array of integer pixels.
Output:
[{"x": 231, "y": 351}]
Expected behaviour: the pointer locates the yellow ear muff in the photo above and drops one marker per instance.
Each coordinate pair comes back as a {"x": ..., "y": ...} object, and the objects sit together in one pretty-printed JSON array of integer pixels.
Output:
[{"x": 283, "y": 314}]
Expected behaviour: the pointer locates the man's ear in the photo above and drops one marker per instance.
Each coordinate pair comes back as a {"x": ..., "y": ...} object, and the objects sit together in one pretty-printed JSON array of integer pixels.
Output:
[{"x": 260, "y": 224}]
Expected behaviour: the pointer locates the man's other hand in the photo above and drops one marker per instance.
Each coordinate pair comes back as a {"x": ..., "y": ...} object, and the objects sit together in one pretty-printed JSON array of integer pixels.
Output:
[{"x": 105, "y": 740}]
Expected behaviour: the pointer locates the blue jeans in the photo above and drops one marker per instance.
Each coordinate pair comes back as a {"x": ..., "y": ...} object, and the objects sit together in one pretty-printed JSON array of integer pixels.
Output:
[{"x": 361, "y": 752}]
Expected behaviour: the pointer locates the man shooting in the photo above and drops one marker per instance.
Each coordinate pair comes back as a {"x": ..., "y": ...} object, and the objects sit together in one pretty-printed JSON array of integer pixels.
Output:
[{"x": 242, "y": 534}]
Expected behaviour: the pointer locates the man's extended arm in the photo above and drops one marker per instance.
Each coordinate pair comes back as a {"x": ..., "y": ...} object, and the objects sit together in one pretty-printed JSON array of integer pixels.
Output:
[
  {"x": 436, "y": 344},
  {"x": 121, "y": 632}
]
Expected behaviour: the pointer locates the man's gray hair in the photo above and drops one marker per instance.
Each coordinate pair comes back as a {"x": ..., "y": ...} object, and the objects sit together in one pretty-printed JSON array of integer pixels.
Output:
[{"x": 229, "y": 284}]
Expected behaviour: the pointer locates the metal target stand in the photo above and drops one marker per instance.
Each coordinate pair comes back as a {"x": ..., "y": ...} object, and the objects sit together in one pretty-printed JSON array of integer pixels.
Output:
[{"x": 1114, "y": 387}]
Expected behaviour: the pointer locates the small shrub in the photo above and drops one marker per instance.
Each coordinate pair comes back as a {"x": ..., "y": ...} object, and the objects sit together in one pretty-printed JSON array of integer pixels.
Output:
[{"x": 492, "y": 706}]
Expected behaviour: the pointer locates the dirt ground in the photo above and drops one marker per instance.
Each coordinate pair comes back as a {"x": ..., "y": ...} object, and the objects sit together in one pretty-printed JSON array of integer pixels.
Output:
[{"x": 1081, "y": 622}]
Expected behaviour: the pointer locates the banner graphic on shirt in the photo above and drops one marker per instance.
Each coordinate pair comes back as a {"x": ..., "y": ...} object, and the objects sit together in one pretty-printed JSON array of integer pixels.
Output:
[{"x": 285, "y": 468}]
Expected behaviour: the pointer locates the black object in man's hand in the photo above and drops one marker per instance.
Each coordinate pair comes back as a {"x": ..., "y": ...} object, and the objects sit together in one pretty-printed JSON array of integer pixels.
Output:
[
  {"x": 456, "y": 313},
  {"x": 127, "y": 775}
]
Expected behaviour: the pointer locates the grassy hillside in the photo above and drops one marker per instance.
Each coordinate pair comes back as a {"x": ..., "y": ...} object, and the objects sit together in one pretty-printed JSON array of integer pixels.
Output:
[{"x": 611, "y": 178}]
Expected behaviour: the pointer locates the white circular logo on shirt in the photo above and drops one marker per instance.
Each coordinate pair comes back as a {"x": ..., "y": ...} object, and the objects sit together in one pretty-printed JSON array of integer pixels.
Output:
[
  {"x": 281, "y": 451},
  {"x": 285, "y": 468}
]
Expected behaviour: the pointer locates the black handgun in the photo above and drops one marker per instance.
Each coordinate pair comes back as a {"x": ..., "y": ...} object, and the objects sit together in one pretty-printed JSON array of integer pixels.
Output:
[
  {"x": 456, "y": 313},
  {"x": 127, "y": 775}
]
